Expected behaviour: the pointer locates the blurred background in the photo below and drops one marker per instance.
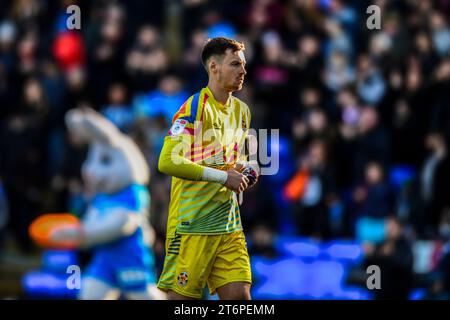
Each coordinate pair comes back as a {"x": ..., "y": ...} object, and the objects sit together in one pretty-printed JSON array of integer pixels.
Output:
[{"x": 364, "y": 120}]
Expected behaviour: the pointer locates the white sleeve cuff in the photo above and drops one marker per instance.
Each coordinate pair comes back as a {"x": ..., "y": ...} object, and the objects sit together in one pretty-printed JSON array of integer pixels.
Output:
[{"x": 214, "y": 175}]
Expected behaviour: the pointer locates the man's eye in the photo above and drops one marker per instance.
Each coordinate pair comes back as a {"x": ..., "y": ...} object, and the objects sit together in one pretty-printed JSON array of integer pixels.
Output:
[{"x": 105, "y": 159}]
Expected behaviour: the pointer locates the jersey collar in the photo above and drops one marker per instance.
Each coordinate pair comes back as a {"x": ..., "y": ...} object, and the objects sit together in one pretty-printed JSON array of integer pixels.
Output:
[{"x": 223, "y": 107}]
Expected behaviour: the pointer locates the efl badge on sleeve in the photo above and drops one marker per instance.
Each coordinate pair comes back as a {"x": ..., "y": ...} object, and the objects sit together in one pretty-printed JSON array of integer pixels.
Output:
[
  {"x": 177, "y": 127},
  {"x": 244, "y": 125}
]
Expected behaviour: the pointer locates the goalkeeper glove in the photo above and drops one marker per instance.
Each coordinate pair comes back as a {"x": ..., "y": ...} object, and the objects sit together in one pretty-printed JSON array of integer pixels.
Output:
[{"x": 251, "y": 174}]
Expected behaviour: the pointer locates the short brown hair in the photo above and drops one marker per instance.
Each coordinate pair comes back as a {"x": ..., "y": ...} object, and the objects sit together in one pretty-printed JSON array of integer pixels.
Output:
[{"x": 218, "y": 46}]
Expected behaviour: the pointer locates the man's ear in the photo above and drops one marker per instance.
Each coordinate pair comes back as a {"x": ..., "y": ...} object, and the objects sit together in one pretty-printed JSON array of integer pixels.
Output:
[{"x": 212, "y": 65}]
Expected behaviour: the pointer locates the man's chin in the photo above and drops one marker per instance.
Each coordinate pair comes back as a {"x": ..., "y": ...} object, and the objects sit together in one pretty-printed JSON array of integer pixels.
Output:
[{"x": 236, "y": 87}]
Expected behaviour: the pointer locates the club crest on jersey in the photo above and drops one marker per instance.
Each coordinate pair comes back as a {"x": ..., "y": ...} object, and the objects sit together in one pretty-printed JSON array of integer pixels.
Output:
[
  {"x": 182, "y": 279},
  {"x": 177, "y": 127}
]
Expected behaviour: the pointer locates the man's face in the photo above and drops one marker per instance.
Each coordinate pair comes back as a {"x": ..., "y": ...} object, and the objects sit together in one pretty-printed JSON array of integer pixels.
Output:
[{"x": 230, "y": 71}]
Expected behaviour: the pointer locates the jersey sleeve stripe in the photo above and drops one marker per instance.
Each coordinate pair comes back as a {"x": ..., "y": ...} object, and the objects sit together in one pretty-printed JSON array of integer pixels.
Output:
[
  {"x": 194, "y": 108},
  {"x": 180, "y": 112},
  {"x": 205, "y": 98}
]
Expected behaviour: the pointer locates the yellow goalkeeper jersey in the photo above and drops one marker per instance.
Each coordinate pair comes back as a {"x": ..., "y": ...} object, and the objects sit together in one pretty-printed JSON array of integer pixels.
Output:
[{"x": 204, "y": 133}]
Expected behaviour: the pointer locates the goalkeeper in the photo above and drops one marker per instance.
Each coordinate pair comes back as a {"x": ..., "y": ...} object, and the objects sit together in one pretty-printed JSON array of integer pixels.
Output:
[{"x": 202, "y": 152}]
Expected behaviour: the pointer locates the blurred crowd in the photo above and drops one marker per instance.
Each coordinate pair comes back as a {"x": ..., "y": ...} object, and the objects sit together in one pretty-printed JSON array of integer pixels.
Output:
[{"x": 364, "y": 115}]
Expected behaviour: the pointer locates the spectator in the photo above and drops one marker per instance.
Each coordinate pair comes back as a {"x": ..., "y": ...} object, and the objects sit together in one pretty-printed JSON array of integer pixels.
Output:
[
  {"x": 338, "y": 73},
  {"x": 374, "y": 202},
  {"x": 344, "y": 14},
  {"x": 376, "y": 196},
  {"x": 306, "y": 61},
  {"x": 146, "y": 60},
  {"x": 118, "y": 110},
  {"x": 425, "y": 52},
  {"x": 434, "y": 180},
  {"x": 27, "y": 48},
  {"x": 440, "y": 34},
  {"x": 272, "y": 77},
  {"x": 310, "y": 206},
  {"x": 444, "y": 261},
  {"x": 370, "y": 84},
  {"x": 165, "y": 101},
  {"x": 8, "y": 35},
  {"x": 192, "y": 66},
  {"x": 263, "y": 15},
  {"x": 394, "y": 257},
  {"x": 338, "y": 41},
  {"x": 372, "y": 142},
  {"x": 22, "y": 163}
]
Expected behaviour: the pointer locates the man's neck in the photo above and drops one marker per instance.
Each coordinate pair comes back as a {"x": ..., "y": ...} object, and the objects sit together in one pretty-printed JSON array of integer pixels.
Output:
[{"x": 219, "y": 93}]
